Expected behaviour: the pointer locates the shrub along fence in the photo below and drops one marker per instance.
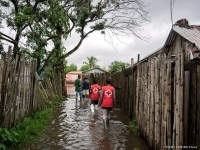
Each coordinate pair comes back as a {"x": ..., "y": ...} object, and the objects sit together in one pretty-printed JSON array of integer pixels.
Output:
[
  {"x": 161, "y": 93},
  {"x": 21, "y": 93}
]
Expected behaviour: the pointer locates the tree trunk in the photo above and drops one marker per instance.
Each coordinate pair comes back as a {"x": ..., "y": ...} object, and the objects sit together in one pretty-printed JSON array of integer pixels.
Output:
[
  {"x": 64, "y": 89},
  {"x": 58, "y": 44}
]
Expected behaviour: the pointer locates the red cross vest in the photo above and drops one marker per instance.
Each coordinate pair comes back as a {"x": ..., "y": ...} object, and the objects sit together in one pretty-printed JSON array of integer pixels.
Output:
[
  {"x": 95, "y": 88},
  {"x": 107, "y": 96}
]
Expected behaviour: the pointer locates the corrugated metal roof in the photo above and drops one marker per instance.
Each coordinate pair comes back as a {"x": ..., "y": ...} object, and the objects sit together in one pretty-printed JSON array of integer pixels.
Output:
[
  {"x": 170, "y": 39},
  {"x": 188, "y": 32},
  {"x": 197, "y": 27},
  {"x": 93, "y": 69},
  {"x": 191, "y": 34}
]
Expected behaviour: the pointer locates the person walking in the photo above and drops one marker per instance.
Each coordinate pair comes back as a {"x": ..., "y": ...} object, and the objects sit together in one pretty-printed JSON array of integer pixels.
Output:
[
  {"x": 107, "y": 101},
  {"x": 78, "y": 88},
  {"x": 86, "y": 87},
  {"x": 94, "y": 95}
]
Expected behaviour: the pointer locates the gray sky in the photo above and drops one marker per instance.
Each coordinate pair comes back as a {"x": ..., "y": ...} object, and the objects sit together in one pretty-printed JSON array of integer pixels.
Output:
[{"x": 158, "y": 30}]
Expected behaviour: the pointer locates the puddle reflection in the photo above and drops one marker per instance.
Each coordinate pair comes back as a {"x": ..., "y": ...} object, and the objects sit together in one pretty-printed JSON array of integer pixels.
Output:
[{"x": 75, "y": 127}]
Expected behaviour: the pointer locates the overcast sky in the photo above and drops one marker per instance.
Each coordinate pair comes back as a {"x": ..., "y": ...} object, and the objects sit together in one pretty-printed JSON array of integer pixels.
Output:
[{"x": 158, "y": 30}]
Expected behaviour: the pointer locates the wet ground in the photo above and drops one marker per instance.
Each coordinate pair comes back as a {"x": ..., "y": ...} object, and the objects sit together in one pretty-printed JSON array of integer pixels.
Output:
[{"x": 74, "y": 127}]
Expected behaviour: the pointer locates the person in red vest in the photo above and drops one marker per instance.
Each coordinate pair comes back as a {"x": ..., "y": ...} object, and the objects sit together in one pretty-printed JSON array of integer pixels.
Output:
[
  {"x": 94, "y": 95},
  {"x": 107, "y": 101}
]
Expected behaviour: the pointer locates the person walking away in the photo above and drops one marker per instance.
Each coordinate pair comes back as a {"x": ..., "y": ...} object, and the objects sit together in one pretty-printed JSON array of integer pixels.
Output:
[
  {"x": 78, "y": 89},
  {"x": 86, "y": 87},
  {"x": 94, "y": 95},
  {"x": 107, "y": 101}
]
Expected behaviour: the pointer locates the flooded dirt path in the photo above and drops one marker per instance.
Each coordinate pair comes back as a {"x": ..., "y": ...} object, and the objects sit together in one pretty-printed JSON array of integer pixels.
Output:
[{"x": 74, "y": 127}]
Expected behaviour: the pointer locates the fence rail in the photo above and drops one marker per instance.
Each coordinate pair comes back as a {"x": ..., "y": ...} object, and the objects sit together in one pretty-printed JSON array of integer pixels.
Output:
[
  {"x": 162, "y": 94},
  {"x": 21, "y": 93}
]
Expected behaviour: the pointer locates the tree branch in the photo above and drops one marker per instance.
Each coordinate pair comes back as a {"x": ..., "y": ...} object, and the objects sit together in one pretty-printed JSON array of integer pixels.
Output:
[
  {"x": 73, "y": 25},
  {"x": 78, "y": 45},
  {"x": 51, "y": 37},
  {"x": 37, "y": 2},
  {"x": 15, "y": 3}
]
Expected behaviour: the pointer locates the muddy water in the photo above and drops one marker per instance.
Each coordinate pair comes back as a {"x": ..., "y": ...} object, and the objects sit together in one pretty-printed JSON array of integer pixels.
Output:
[{"x": 74, "y": 128}]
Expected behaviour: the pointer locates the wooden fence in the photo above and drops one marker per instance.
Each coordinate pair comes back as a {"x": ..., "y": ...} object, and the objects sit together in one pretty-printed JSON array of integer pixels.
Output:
[
  {"x": 162, "y": 93},
  {"x": 21, "y": 93}
]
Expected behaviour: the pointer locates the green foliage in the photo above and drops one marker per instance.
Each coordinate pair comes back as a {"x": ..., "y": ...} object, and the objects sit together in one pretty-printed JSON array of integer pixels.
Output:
[
  {"x": 117, "y": 66},
  {"x": 49, "y": 71},
  {"x": 45, "y": 22},
  {"x": 134, "y": 127},
  {"x": 71, "y": 67},
  {"x": 4, "y": 3},
  {"x": 7, "y": 138},
  {"x": 30, "y": 129},
  {"x": 85, "y": 67},
  {"x": 92, "y": 61},
  {"x": 99, "y": 26},
  {"x": 54, "y": 102}
]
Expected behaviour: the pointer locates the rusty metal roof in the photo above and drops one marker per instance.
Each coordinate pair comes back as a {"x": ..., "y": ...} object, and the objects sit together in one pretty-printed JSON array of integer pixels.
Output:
[
  {"x": 197, "y": 27},
  {"x": 190, "y": 33}
]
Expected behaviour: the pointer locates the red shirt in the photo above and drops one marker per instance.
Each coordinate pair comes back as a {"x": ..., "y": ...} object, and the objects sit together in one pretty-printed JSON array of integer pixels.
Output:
[
  {"x": 95, "y": 88},
  {"x": 107, "y": 96}
]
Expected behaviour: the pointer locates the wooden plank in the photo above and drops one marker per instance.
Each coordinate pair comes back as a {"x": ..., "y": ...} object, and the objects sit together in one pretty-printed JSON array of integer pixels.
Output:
[
  {"x": 3, "y": 88},
  {"x": 181, "y": 92},
  {"x": 148, "y": 100},
  {"x": 156, "y": 103},
  {"x": 186, "y": 106},
  {"x": 198, "y": 109},
  {"x": 192, "y": 109},
  {"x": 169, "y": 101}
]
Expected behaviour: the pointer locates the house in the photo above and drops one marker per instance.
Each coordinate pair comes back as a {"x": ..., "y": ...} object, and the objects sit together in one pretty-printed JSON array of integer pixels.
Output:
[
  {"x": 183, "y": 37},
  {"x": 72, "y": 76},
  {"x": 70, "y": 79},
  {"x": 94, "y": 70}
]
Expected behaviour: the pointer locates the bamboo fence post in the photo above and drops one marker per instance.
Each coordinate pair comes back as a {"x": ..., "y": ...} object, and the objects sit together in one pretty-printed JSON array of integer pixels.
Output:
[
  {"x": 181, "y": 99},
  {"x": 3, "y": 88},
  {"x": 168, "y": 101},
  {"x": 198, "y": 108},
  {"x": 174, "y": 109},
  {"x": 156, "y": 103},
  {"x": 162, "y": 82},
  {"x": 186, "y": 106},
  {"x": 18, "y": 99}
]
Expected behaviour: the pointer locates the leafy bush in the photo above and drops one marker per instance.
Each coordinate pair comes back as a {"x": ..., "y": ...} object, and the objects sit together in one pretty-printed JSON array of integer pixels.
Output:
[
  {"x": 134, "y": 127},
  {"x": 8, "y": 138},
  {"x": 30, "y": 129}
]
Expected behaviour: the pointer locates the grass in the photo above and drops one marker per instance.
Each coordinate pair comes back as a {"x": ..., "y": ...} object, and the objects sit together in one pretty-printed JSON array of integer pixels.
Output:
[
  {"x": 134, "y": 127},
  {"x": 29, "y": 130},
  {"x": 32, "y": 127}
]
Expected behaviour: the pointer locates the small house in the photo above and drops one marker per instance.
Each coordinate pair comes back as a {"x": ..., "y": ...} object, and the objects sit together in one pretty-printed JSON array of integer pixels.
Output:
[{"x": 70, "y": 79}]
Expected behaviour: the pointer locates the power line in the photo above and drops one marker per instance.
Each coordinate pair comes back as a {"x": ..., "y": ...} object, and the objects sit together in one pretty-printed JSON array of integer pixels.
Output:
[{"x": 171, "y": 10}]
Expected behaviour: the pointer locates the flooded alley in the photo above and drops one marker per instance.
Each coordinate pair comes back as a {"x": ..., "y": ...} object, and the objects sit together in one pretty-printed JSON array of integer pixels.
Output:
[{"x": 74, "y": 127}]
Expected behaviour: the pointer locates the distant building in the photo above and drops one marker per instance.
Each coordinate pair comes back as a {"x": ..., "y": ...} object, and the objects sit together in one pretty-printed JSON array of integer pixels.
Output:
[
  {"x": 94, "y": 70},
  {"x": 70, "y": 78},
  {"x": 94, "y": 73}
]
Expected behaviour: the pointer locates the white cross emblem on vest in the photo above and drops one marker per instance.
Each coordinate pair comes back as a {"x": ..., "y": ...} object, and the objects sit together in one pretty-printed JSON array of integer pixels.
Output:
[
  {"x": 95, "y": 90},
  {"x": 108, "y": 93}
]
